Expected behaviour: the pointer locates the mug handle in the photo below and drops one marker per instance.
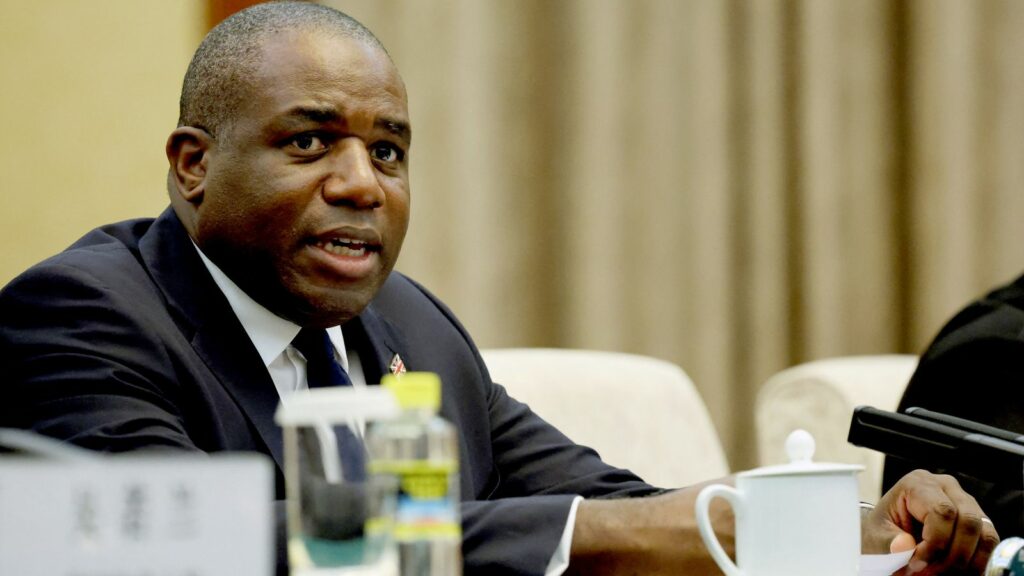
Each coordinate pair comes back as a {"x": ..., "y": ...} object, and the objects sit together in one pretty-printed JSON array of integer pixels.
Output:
[{"x": 704, "y": 499}]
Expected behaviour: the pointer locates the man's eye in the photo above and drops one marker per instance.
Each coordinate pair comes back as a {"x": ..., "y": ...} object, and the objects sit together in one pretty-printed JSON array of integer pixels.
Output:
[
  {"x": 308, "y": 142},
  {"x": 386, "y": 153}
]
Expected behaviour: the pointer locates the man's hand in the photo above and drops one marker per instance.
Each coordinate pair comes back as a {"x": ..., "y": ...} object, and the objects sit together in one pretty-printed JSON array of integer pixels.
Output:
[
  {"x": 658, "y": 535},
  {"x": 933, "y": 515}
]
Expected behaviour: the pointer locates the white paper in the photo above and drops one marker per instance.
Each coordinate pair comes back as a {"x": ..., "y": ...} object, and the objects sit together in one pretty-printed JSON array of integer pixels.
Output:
[
  {"x": 173, "y": 515},
  {"x": 883, "y": 564}
]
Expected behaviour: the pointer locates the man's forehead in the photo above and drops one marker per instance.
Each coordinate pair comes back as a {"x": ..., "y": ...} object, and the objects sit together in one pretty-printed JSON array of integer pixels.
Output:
[
  {"x": 312, "y": 70},
  {"x": 323, "y": 50},
  {"x": 314, "y": 59}
]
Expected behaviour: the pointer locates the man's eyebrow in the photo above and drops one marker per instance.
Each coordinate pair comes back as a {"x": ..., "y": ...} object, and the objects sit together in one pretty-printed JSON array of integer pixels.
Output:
[
  {"x": 312, "y": 114},
  {"x": 397, "y": 127}
]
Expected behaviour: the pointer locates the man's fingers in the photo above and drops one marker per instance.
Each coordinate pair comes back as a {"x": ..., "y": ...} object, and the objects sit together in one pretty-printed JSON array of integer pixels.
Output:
[
  {"x": 954, "y": 536},
  {"x": 932, "y": 507},
  {"x": 965, "y": 539},
  {"x": 954, "y": 533},
  {"x": 974, "y": 536},
  {"x": 902, "y": 542},
  {"x": 986, "y": 545}
]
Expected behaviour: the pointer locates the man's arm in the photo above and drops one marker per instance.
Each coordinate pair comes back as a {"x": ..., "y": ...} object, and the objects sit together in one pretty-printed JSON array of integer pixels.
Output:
[
  {"x": 520, "y": 474},
  {"x": 653, "y": 535},
  {"x": 515, "y": 528},
  {"x": 658, "y": 535},
  {"x": 81, "y": 369},
  {"x": 88, "y": 364}
]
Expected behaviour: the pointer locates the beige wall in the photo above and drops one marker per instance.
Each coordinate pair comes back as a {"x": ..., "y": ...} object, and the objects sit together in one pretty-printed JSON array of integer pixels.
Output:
[{"x": 89, "y": 95}]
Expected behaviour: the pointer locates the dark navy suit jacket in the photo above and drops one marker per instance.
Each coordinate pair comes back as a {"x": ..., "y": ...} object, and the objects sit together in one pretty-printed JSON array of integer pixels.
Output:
[
  {"x": 123, "y": 342},
  {"x": 974, "y": 369}
]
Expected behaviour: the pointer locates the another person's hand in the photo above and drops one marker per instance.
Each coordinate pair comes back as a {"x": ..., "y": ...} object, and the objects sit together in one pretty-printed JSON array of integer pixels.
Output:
[{"x": 931, "y": 514}]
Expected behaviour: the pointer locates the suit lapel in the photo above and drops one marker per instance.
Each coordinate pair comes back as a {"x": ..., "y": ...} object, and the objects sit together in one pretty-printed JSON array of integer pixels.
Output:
[
  {"x": 231, "y": 356},
  {"x": 376, "y": 342},
  {"x": 204, "y": 315}
]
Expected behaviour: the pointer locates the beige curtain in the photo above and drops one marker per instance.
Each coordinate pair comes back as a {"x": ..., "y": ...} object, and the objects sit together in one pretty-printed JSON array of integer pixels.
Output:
[{"x": 735, "y": 186}]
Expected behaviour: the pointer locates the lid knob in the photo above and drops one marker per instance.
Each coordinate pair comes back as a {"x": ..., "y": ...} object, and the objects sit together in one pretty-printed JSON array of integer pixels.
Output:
[{"x": 800, "y": 446}]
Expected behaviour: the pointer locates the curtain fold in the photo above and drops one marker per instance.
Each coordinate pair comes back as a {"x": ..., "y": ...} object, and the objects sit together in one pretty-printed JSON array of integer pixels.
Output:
[{"x": 734, "y": 186}]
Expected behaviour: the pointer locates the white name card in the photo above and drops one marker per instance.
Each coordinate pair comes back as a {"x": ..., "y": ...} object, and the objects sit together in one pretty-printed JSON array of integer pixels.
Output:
[{"x": 135, "y": 515}]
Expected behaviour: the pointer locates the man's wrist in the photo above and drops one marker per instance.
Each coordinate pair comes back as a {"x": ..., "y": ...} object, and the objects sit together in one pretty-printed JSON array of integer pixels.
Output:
[
  {"x": 869, "y": 543},
  {"x": 866, "y": 508}
]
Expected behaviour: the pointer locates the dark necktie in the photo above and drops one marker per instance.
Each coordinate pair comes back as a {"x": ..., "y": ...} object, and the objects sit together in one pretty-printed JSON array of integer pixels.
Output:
[{"x": 323, "y": 370}]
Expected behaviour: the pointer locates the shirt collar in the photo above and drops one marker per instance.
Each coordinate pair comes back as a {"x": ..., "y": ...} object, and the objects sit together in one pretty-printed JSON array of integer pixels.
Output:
[{"x": 270, "y": 334}]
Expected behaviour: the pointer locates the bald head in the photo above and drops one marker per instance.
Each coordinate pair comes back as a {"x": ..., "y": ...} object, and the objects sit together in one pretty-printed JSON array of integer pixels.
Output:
[{"x": 222, "y": 69}]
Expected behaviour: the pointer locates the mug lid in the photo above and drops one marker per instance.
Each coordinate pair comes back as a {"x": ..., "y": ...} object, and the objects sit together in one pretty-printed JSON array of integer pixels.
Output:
[{"x": 800, "y": 449}]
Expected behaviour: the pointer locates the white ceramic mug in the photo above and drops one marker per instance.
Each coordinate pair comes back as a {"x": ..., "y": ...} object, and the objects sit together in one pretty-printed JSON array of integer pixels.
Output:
[{"x": 797, "y": 519}]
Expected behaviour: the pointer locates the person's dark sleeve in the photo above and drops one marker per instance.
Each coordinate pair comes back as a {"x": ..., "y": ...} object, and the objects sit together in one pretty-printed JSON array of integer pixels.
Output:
[
  {"x": 82, "y": 368},
  {"x": 514, "y": 526},
  {"x": 85, "y": 365},
  {"x": 518, "y": 528},
  {"x": 975, "y": 371}
]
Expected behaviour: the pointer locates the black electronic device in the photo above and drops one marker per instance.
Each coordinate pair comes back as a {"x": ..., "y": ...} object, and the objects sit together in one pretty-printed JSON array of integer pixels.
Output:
[
  {"x": 965, "y": 424},
  {"x": 937, "y": 445}
]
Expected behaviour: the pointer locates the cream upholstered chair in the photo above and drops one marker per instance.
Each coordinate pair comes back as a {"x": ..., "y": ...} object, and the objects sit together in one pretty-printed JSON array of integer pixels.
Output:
[
  {"x": 820, "y": 397},
  {"x": 638, "y": 412}
]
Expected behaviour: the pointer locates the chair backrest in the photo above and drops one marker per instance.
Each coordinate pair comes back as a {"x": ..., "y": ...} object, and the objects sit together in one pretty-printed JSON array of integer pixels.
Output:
[
  {"x": 820, "y": 397},
  {"x": 639, "y": 413}
]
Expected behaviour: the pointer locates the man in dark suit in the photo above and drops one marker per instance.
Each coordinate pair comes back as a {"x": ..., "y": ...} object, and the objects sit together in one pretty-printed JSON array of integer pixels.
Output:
[
  {"x": 975, "y": 369},
  {"x": 289, "y": 204}
]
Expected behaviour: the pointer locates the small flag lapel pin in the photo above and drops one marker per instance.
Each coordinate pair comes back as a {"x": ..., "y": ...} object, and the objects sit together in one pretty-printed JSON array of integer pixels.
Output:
[{"x": 397, "y": 366}]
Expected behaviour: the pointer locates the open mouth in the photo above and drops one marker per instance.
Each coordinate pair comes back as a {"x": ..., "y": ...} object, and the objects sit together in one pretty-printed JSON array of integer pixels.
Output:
[{"x": 347, "y": 247}]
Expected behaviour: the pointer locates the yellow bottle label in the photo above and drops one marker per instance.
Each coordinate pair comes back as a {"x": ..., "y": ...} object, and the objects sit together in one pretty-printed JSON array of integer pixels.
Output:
[
  {"x": 427, "y": 506},
  {"x": 419, "y": 479}
]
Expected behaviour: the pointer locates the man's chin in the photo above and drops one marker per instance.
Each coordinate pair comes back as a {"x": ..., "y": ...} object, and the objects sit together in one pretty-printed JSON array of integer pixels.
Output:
[{"x": 325, "y": 308}]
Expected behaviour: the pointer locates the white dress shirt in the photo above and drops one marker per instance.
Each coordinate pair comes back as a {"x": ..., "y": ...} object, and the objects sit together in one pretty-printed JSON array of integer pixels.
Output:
[{"x": 272, "y": 336}]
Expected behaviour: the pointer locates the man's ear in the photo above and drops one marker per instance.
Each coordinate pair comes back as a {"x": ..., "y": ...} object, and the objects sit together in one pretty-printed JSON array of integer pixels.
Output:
[{"x": 188, "y": 151}]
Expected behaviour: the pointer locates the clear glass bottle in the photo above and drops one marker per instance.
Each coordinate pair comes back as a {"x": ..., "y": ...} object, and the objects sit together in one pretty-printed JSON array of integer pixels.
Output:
[
  {"x": 339, "y": 518},
  {"x": 420, "y": 449}
]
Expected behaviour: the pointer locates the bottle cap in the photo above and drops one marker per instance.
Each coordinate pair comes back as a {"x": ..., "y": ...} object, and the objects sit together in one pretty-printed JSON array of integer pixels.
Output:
[{"x": 415, "y": 389}]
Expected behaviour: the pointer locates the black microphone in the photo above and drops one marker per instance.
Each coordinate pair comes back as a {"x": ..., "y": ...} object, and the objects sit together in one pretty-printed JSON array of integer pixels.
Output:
[
  {"x": 938, "y": 445},
  {"x": 965, "y": 424}
]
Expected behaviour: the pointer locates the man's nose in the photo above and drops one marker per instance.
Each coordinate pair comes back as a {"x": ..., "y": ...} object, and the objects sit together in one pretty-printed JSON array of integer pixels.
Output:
[{"x": 353, "y": 179}]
